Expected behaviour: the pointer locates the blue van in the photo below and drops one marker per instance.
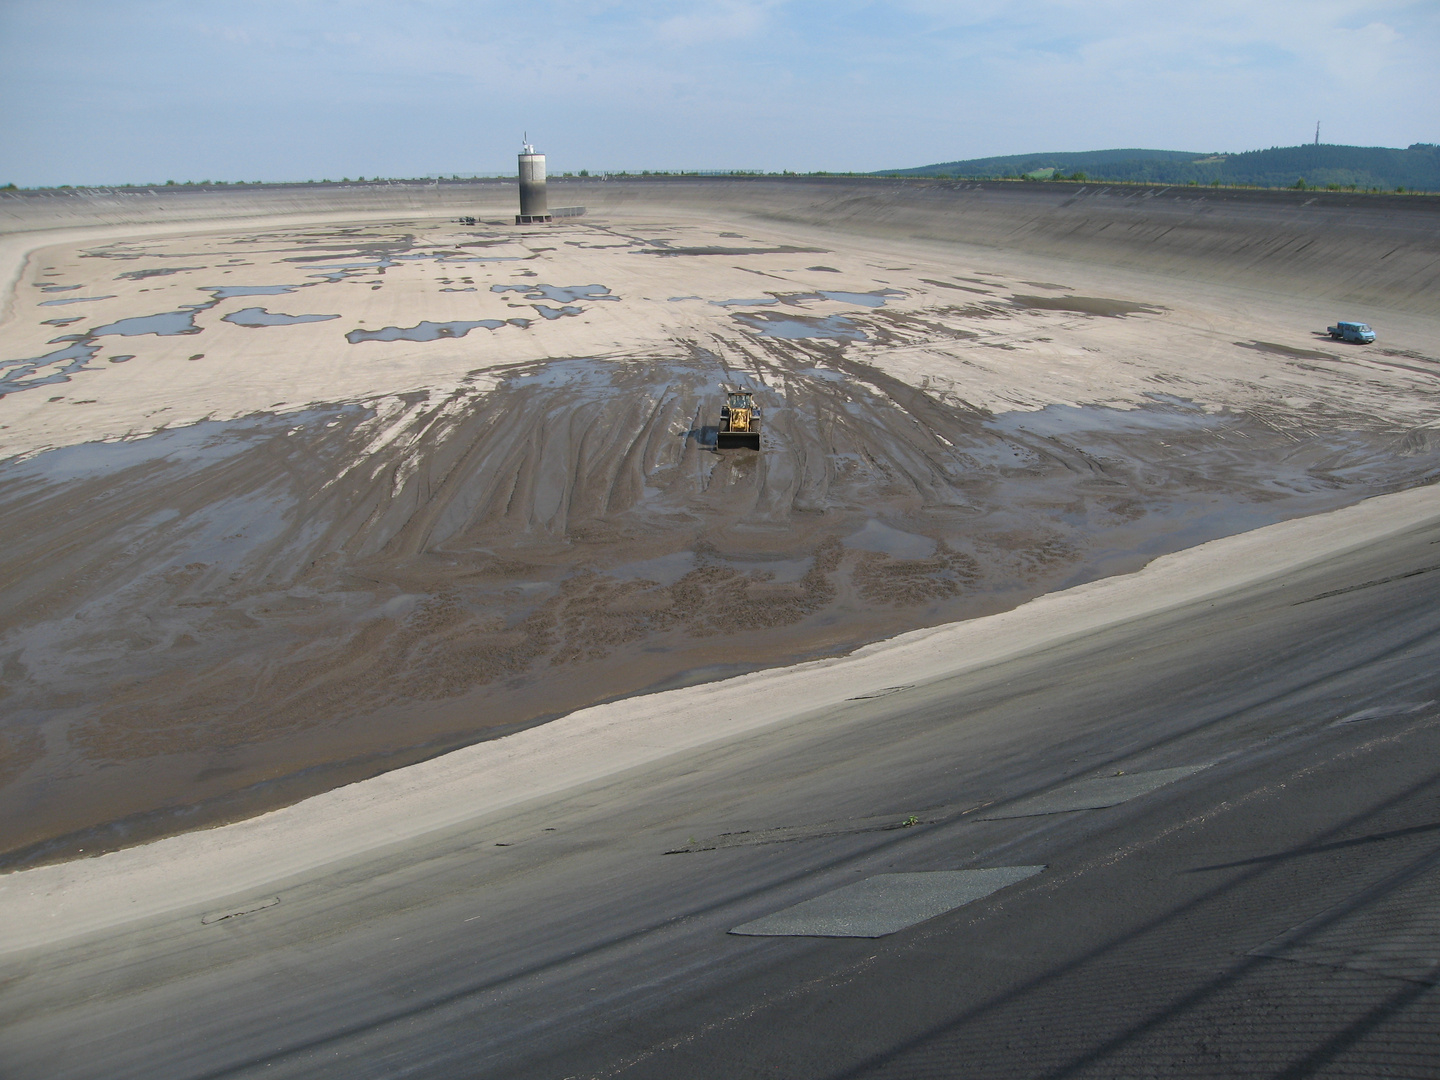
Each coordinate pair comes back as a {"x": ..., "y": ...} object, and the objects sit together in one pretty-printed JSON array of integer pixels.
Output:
[{"x": 1357, "y": 332}]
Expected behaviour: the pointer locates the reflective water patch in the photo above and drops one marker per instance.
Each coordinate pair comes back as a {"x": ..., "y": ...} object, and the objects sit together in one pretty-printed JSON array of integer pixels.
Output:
[
  {"x": 866, "y": 299},
  {"x": 425, "y": 331},
  {"x": 159, "y": 271},
  {"x": 254, "y": 316},
  {"x": 24, "y": 374},
  {"x": 768, "y": 324},
  {"x": 165, "y": 324},
  {"x": 225, "y": 292},
  {"x": 561, "y": 294},
  {"x": 874, "y": 299},
  {"x": 74, "y": 300}
]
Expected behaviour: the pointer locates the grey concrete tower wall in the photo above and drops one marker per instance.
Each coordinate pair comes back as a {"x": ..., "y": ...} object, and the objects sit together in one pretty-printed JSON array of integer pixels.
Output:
[{"x": 532, "y": 185}]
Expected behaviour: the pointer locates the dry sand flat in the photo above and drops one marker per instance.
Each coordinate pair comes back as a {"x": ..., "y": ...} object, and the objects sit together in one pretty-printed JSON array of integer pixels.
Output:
[{"x": 260, "y": 540}]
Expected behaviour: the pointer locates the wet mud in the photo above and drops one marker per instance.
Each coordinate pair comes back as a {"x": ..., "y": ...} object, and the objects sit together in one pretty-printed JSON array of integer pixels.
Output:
[
  {"x": 274, "y": 605},
  {"x": 1085, "y": 305},
  {"x": 1276, "y": 349}
]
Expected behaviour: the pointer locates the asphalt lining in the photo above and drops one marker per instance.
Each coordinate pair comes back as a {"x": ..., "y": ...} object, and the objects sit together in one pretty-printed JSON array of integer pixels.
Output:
[
  {"x": 885, "y": 903},
  {"x": 1391, "y": 929}
]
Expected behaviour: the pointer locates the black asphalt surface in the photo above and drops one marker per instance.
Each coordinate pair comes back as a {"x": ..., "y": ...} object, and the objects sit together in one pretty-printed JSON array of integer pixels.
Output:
[{"x": 561, "y": 940}]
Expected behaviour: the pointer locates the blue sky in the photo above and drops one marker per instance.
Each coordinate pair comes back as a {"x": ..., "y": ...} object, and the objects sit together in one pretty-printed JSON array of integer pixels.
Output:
[{"x": 104, "y": 91}]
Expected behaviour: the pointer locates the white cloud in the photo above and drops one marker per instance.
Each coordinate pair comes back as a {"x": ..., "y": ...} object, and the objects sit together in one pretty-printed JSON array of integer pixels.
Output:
[{"x": 711, "y": 23}]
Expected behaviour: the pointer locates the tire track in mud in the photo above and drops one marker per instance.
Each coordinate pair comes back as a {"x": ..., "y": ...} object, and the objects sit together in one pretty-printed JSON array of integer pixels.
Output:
[{"x": 245, "y": 613}]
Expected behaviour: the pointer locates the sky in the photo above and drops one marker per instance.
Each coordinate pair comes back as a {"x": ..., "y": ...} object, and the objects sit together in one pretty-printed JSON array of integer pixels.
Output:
[{"x": 141, "y": 91}]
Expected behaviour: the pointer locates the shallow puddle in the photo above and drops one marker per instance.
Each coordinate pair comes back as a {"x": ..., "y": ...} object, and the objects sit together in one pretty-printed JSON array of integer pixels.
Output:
[
  {"x": 255, "y": 316},
  {"x": 195, "y": 446},
  {"x": 876, "y": 298},
  {"x": 165, "y": 324},
  {"x": 875, "y": 535},
  {"x": 873, "y": 299},
  {"x": 796, "y": 327},
  {"x": 560, "y": 294},
  {"x": 226, "y": 292},
  {"x": 25, "y": 374},
  {"x": 154, "y": 272},
  {"x": 425, "y": 331},
  {"x": 74, "y": 300}
]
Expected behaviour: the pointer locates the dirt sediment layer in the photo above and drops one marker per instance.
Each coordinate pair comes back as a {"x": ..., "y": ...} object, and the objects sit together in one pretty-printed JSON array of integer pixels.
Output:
[
  {"x": 1333, "y": 246},
  {"x": 512, "y": 506}
]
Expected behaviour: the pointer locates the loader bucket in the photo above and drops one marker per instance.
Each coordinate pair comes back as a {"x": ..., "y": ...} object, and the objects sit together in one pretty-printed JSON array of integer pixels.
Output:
[{"x": 737, "y": 440}]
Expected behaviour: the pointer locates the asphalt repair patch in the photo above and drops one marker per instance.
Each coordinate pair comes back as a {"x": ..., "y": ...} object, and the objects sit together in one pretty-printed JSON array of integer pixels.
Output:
[
  {"x": 1092, "y": 794},
  {"x": 885, "y": 903}
]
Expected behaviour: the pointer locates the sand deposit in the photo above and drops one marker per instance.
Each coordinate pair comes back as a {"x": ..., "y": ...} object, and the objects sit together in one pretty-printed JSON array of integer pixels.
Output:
[{"x": 293, "y": 500}]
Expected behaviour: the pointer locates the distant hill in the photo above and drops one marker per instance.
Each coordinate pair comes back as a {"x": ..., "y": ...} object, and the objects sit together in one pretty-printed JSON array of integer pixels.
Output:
[{"x": 1416, "y": 168}]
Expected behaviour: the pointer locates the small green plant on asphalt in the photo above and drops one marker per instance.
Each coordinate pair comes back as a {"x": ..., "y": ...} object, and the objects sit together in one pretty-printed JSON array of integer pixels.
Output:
[{"x": 909, "y": 821}]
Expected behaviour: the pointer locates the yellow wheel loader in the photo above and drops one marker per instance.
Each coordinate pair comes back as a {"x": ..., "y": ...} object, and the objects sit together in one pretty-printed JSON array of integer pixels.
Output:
[{"x": 739, "y": 422}]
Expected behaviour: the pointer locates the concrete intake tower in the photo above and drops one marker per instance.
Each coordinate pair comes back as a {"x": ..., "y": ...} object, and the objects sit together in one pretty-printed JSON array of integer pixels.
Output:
[{"x": 533, "y": 201}]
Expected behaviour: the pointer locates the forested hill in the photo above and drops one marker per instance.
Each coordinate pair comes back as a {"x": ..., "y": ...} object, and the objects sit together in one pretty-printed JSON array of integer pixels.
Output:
[{"x": 1414, "y": 169}]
